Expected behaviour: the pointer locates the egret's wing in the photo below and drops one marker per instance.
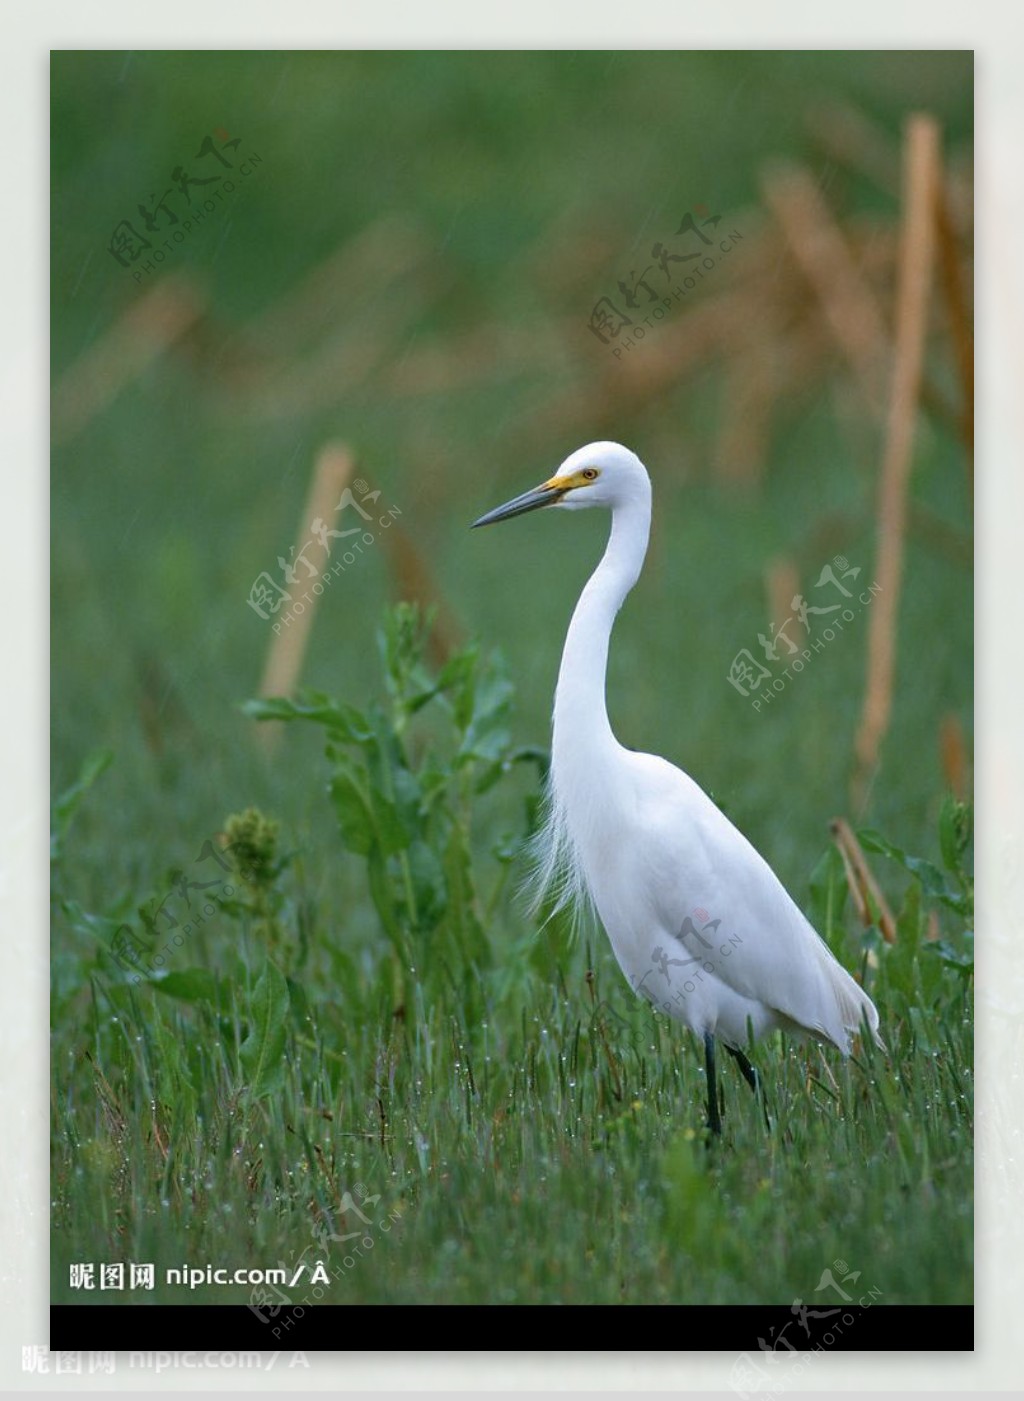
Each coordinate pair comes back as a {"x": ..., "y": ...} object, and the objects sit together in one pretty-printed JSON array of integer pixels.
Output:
[{"x": 709, "y": 865}]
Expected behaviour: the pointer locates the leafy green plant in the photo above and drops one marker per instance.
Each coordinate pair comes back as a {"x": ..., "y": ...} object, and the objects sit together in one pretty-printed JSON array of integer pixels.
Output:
[
  {"x": 953, "y": 887},
  {"x": 250, "y": 841},
  {"x": 927, "y": 969},
  {"x": 926, "y": 974},
  {"x": 403, "y": 776}
]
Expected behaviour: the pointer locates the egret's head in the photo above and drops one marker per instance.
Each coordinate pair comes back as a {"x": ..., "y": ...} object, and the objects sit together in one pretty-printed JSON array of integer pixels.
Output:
[{"x": 600, "y": 474}]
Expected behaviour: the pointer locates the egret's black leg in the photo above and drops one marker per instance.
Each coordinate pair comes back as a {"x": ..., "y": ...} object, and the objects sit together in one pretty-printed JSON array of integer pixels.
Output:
[
  {"x": 748, "y": 1071},
  {"x": 753, "y": 1079},
  {"x": 714, "y": 1118}
]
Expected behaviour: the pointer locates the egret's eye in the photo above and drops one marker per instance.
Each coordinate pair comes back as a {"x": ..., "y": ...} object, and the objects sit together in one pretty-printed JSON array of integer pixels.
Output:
[{"x": 589, "y": 474}]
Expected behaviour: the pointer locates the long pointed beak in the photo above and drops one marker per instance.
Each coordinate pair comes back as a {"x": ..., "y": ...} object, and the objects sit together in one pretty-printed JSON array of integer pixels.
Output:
[{"x": 547, "y": 494}]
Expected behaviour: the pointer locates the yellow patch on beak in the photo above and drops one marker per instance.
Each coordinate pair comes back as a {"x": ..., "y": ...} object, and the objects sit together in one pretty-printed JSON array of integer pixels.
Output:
[
  {"x": 549, "y": 493},
  {"x": 564, "y": 484}
]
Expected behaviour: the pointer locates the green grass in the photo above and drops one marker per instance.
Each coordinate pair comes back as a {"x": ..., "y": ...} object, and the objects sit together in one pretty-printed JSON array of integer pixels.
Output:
[
  {"x": 371, "y": 1006},
  {"x": 535, "y": 1130}
]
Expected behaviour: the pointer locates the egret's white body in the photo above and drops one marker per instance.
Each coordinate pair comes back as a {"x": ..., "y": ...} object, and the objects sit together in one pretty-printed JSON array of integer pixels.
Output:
[{"x": 698, "y": 921}]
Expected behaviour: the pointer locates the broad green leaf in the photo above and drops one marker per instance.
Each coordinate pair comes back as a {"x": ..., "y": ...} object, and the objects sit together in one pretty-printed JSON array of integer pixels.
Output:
[
  {"x": 429, "y": 886},
  {"x": 190, "y": 985},
  {"x": 932, "y": 881},
  {"x": 458, "y": 675},
  {"x": 352, "y": 812},
  {"x": 961, "y": 961},
  {"x": 342, "y": 720},
  {"x": 407, "y": 800},
  {"x": 492, "y": 702},
  {"x": 262, "y": 1052},
  {"x": 298, "y": 1000}
]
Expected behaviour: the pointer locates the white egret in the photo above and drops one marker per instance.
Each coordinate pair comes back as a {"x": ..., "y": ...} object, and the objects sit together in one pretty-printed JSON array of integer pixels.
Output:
[{"x": 699, "y": 922}]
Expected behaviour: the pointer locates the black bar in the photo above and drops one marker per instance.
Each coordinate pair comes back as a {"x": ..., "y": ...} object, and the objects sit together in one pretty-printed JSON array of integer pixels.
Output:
[{"x": 187, "y": 1328}]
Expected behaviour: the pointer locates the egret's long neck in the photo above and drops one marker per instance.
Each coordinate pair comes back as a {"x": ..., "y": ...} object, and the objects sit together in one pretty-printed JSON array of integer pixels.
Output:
[{"x": 582, "y": 735}]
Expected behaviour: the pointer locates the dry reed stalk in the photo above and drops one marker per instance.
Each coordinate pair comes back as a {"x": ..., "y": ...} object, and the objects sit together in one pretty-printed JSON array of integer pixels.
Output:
[
  {"x": 863, "y": 886},
  {"x": 954, "y": 755},
  {"x": 414, "y": 582},
  {"x": 751, "y": 389},
  {"x": 782, "y": 584},
  {"x": 623, "y": 385},
  {"x": 917, "y": 251},
  {"x": 144, "y": 331},
  {"x": 952, "y": 283},
  {"x": 824, "y": 256},
  {"x": 569, "y": 256},
  {"x": 331, "y": 473}
]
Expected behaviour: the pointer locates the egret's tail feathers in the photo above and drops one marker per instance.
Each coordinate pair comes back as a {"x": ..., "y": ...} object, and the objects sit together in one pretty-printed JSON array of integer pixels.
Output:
[{"x": 853, "y": 1006}]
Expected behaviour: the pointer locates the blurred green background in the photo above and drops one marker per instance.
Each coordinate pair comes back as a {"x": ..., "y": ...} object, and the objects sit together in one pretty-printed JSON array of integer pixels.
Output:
[{"x": 524, "y": 185}]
